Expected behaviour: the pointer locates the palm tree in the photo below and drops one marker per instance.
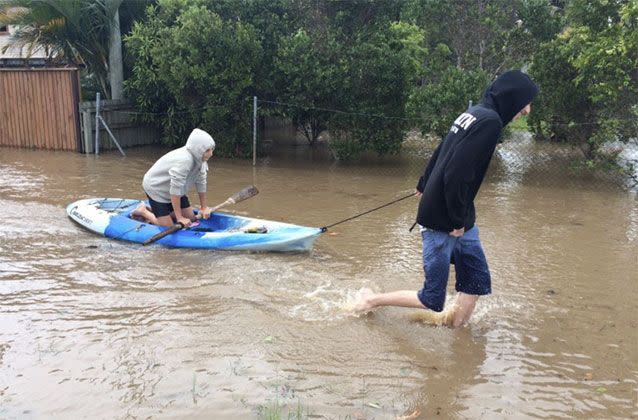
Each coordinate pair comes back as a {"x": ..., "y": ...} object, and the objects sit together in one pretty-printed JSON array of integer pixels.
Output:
[
  {"x": 116, "y": 68},
  {"x": 83, "y": 32}
]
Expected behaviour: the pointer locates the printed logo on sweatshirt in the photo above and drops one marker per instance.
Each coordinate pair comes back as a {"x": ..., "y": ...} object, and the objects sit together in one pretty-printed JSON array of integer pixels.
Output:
[{"x": 464, "y": 121}]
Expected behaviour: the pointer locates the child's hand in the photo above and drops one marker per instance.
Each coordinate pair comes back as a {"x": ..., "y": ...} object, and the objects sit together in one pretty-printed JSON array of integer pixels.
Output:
[
  {"x": 205, "y": 212},
  {"x": 457, "y": 233}
]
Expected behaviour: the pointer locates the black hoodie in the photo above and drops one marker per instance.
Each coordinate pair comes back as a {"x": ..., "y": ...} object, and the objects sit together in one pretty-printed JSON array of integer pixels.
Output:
[{"x": 454, "y": 173}]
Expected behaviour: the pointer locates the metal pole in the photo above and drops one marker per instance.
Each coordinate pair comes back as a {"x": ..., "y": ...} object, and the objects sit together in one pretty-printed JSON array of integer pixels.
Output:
[
  {"x": 254, "y": 130},
  {"x": 108, "y": 130},
  {"x": 97, "y": 124}
]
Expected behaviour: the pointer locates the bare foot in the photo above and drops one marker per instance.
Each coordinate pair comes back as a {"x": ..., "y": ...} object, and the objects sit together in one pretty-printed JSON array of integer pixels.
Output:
[
  {"x": 139, "y": 211},
  {"x": 144, "y": 213},
  {"x": 445, "y": 318},
  {"x": 363, "y": 302}
]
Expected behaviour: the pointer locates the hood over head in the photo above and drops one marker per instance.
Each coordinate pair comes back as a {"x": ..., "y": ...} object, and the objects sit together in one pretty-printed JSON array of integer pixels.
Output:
[
  {"x": 198, "y": 142},
  {"x": 509, "y": 94}
]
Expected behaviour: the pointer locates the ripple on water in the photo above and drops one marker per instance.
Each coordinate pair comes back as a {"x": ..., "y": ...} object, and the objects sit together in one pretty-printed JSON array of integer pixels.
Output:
[{"x": 107, "y": 328}]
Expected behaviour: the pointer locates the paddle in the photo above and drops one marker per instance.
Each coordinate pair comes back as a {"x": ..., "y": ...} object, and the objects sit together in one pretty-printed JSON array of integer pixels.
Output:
[{"x": 235, "y": 198}]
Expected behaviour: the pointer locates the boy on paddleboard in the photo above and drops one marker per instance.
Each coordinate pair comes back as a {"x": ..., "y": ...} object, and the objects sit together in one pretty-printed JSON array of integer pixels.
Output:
[{"x": 172, "y": 176}]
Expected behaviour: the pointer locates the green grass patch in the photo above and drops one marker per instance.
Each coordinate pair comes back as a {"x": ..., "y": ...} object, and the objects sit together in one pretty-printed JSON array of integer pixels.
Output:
[{"x": 519, "y": 124}]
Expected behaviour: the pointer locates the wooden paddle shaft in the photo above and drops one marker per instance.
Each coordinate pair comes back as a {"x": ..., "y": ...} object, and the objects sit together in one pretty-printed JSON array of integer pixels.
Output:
[
  {"x": 242, "y": 195},
  {"x": 212, "y": 209},
  {"x": 229, "y": 201},
  {"x": 163, "y": 233}
]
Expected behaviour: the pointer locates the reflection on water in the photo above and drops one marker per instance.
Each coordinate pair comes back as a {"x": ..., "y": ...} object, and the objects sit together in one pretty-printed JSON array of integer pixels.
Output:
[{"x": 111, "y": 329}]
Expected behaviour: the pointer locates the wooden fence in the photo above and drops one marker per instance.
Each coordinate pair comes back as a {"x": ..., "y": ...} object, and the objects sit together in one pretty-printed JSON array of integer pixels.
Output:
[{"x": 39, "y": 108}]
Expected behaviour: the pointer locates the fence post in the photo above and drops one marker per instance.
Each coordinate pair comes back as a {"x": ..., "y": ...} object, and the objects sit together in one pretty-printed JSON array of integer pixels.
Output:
[
  {"x": 86, "y": 128},
  {"x": 254, "y": 130},
  {"x": 97, "y": 123}
]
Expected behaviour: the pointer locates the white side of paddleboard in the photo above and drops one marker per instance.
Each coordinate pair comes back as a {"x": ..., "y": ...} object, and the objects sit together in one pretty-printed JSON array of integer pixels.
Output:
[{"x": 86, "y": 213}]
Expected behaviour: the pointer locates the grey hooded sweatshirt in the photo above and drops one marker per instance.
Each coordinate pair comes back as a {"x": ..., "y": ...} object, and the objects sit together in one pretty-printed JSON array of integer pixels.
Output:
[{"x": 177, "y": 171}]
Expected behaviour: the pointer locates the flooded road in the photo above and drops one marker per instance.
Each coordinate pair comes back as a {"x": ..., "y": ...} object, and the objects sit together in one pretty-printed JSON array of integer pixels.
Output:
[{"x": 95, "y": 328}]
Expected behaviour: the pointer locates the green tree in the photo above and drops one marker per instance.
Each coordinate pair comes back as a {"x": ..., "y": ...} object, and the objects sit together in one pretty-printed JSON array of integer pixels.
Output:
[
  {"x": 308, "y": 73},
  {"x": 538, "y": 21},
  {"x": 193, "y": 68},
  {"x": 349, "y": 68},
  {"x": 271, "y": 20},
  {"x": 470, "y": 43},
  {"x": 476, "y": 32},
  {"x": 589, "y": 79},
  {"x": 380, "y": 69},
  {"x": 447, "y": 93}
]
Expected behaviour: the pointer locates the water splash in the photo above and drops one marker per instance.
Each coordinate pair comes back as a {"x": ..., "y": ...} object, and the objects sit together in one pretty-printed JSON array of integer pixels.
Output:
[{"x": 326, "y": 303}]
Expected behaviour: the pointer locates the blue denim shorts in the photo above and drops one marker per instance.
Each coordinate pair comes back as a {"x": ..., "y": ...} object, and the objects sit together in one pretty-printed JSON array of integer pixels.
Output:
[{"x": 472, "y": 273}]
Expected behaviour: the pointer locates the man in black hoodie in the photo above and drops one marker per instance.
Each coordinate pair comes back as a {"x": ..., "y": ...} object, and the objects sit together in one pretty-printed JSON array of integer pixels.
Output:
[{"x": 446, "y": 211}]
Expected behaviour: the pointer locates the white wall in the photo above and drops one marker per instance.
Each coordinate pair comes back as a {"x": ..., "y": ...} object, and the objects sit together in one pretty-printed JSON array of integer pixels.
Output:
[{"x": 5, "y": 39}]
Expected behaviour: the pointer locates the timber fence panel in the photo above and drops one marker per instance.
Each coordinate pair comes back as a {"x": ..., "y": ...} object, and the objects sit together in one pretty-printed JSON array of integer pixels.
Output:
[{"x": 39, "y": 108}]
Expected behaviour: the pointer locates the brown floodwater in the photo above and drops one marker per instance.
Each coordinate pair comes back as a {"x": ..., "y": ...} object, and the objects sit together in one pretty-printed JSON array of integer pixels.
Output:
[{"x": 95, "y": 328}]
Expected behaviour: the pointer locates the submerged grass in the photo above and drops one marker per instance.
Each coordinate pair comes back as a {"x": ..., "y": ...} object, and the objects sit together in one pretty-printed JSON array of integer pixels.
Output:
[{"x": 278, "y": 411}]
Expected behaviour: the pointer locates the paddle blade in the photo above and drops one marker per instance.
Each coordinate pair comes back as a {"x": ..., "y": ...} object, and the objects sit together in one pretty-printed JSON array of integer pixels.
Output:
[
  {"x": 164, "y": 233},
  {"x": 242, "y": 195}
]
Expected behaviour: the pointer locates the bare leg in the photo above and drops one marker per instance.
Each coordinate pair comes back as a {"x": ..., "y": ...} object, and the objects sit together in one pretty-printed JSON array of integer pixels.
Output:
[
  {"x": 457, "y": 315},
  {"x": 463, "y": 308},
  {"x": 187, "y": 213},
  {"x": 369, "y": 300},
  {"x": 165, "y": 221}
]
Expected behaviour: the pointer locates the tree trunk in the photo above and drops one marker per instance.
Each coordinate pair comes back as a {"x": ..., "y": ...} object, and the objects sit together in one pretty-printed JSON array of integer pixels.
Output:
[{"x": 116, "y": 68}]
